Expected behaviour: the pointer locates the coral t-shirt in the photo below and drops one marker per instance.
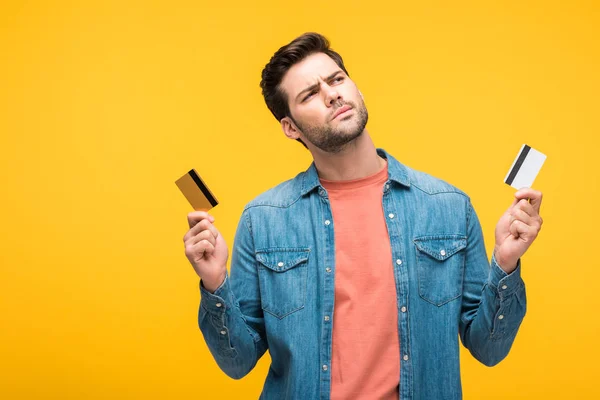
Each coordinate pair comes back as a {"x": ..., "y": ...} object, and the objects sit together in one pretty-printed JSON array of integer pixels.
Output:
[{"x": 365, "y": 360}]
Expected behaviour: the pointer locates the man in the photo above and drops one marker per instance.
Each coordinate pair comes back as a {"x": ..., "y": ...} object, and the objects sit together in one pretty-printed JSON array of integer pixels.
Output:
[{"x": 358, "y": 274}]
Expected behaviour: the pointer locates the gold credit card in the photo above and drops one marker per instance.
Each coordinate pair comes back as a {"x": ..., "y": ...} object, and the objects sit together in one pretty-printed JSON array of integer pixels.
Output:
[{"x": 196, "y": 191}]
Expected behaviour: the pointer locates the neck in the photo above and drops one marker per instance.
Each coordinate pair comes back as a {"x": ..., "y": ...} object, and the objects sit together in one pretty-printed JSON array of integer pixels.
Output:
[{"x": 357, "y": 160}]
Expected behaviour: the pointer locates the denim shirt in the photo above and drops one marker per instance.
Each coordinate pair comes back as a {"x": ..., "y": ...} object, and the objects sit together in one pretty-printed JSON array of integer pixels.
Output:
[{"x": 279, "y": 293}]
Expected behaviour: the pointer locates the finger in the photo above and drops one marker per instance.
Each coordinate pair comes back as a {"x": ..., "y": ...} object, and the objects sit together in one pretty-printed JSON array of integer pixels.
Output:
[
  {"x": 213, "y": 229},
  {"x": 197, "y": 251},
  {"x": 519, "y": 215},
  {"x": 518, "y": 229},
  {"x": 525, "y": 206},
  {"x": 204, "y": 235},
  {"x": 202, "y": 230},
  {"x": 514, "y": 229},
  {"x": 204, "y": 224},
  {"x": 196, "y": 216},
  {"x": 522, "y": 231},
  {"x": 205, "y": 246},
  {"x": 534, "y": 196}
]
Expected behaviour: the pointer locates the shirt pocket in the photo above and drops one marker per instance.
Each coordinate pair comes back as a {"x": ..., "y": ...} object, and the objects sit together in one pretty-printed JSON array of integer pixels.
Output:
[
  {"x": 440, "y": 265},
  {"x": 282, "y": 276}
]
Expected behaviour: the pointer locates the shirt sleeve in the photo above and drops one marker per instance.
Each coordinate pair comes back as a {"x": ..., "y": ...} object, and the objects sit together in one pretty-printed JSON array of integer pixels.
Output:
[
  {"x": 231, "y": 318},
  {"x": 493, "y": 303}
]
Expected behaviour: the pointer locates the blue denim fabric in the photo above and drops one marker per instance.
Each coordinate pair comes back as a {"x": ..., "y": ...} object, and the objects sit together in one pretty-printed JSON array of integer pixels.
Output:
[{"x": 281, "y": 287}]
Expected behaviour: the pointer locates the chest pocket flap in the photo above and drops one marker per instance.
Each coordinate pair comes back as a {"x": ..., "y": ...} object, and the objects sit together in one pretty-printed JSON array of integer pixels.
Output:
[
  {"x": 441, "y": 247},
  {"x": 281, "y": 260}
]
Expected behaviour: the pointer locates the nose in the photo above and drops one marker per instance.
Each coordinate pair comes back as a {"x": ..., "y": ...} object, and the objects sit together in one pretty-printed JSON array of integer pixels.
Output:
[{"x": 331, "y": 96}]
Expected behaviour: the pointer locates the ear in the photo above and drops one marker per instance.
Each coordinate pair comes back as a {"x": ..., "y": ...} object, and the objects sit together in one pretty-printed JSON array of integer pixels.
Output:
[{"x": 289, "y": 128}]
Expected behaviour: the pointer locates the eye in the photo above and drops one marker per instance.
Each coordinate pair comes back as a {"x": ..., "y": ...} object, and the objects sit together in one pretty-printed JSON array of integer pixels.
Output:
[
  {"x": 310, "y": 95},
  {"x": 338, "y": 79}
]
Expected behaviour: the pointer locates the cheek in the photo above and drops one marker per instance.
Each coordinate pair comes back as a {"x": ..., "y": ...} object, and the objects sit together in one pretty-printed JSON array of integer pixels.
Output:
[
  {"x": 313, "y": 114},
  {"x": 354, "y": 96}
]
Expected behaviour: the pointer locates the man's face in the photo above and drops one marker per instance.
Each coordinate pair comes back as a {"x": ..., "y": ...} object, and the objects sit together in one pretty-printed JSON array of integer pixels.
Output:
[{"x": 325, "y": 105}]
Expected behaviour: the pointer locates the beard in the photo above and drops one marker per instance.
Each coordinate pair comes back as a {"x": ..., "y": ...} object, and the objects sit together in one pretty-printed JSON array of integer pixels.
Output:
[{"x": 334, "y": 139}]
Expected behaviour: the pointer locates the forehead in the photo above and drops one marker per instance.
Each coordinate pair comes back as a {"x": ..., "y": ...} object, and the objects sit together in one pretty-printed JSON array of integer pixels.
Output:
[{"x": 307, "y": 72}]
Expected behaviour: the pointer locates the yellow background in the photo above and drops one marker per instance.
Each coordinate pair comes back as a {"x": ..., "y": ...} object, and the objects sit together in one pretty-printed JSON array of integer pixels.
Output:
[{"x": 104, "y": 104}]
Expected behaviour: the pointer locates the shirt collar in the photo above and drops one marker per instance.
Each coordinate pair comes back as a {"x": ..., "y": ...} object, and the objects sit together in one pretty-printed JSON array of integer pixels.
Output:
[{"x": 396, "y": 172}]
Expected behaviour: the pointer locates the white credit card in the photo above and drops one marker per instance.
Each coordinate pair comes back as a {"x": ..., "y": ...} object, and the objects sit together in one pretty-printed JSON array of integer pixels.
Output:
[{"x": 525, "y": 168}]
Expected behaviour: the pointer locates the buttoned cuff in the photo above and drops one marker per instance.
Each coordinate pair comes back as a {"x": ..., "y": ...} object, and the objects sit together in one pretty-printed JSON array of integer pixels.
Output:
[
  {"x": 215, "y": 303},
  {"x": 505, "y": 284}
]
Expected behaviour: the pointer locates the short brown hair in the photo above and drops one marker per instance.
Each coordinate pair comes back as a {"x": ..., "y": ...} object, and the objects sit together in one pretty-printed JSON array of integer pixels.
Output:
[{"x": 288, "y": 55}]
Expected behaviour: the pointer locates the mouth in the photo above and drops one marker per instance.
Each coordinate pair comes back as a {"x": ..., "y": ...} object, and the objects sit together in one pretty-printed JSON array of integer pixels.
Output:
[{"x": 341, "y": 111}]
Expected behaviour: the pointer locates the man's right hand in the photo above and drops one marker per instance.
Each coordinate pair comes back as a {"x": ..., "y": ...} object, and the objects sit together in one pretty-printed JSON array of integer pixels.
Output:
[{"x": 206, "y": 249}]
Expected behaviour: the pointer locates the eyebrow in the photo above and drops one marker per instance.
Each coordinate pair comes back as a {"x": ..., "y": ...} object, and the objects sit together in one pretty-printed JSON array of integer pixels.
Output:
[{"x": 316, "y": 85}]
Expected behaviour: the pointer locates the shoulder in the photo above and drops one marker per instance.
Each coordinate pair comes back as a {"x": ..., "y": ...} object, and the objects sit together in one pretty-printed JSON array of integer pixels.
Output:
[
  {"x": 282, "y": 195},
  {"x": 432, "y": 185},
  {"x": 419, "y": 180}
]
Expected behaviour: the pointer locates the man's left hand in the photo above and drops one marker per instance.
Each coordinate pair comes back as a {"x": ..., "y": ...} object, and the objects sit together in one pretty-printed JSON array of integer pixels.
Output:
[{"x": 517, "y": 229}]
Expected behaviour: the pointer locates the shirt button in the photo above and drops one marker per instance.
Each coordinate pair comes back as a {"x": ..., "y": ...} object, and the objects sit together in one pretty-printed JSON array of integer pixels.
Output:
[
  {"x": 403, "y": 309},
  {"x": 500, "y": 316},
  {"x": 280, "y": 264},
  {"x": 391, "y": 215},
  {"x": 405, "y": 358},
  {"x": 327, "y": 318},
  {"x": 324, "y": 367},
  {"x": 399, "y": 261},
  {"x": 504, "y": 287},
  {"x": 443, "y": 252},
  {"x": 327, "y": 222},
  {"x": 223, "y": 332},
  {"x": 328, "y": 270},
  {"x": 218, "y": 304},
  {"x": 387, "y": 186}
]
